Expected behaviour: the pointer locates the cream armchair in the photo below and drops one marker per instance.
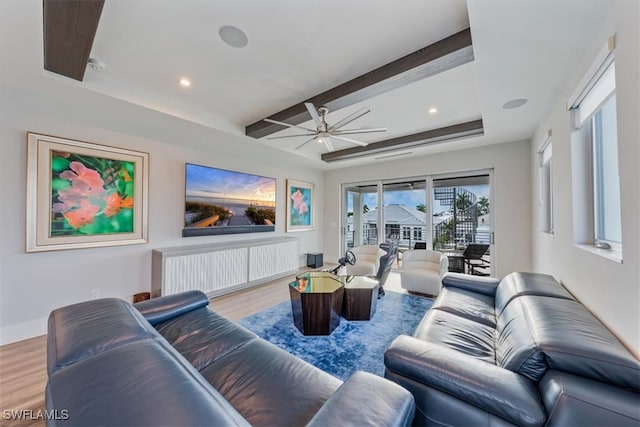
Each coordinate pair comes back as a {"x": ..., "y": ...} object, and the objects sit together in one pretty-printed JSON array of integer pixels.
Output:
[
  {"x": 422, "y": 271},
  {"x": 367, "y": 261}
]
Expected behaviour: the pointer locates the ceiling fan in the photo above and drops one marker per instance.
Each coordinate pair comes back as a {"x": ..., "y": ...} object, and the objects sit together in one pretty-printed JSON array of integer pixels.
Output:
[{"x": 325, "y": 132}]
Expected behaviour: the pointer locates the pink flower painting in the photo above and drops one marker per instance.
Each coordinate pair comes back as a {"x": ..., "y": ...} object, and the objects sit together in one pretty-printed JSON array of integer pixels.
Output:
[
  {"x": 90, "y": 195},
  {"x": 300, "y": 208}
]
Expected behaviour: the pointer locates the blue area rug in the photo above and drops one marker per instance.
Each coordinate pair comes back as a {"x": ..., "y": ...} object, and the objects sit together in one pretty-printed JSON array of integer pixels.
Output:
[{"x": 353, "y": 345}]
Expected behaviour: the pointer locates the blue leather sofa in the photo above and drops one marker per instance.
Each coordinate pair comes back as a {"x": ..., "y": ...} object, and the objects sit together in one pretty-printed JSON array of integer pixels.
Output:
[
  {"x": 521, "y": 351},
  {"x": 171, "y": 361}
]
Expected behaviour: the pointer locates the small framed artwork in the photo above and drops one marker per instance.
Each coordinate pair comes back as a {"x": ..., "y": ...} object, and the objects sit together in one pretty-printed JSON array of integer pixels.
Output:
[
  {"x": 300, "y": 205},
  {"x": 84, "y": 195}
]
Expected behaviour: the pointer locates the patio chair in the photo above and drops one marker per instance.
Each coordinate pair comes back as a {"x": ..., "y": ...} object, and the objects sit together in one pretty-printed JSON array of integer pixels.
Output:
[{"x": 474, "y": 259}]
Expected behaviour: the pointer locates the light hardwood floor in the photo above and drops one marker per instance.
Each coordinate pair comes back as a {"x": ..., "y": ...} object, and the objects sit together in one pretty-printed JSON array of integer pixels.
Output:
[{"x": 23, "y": 373}]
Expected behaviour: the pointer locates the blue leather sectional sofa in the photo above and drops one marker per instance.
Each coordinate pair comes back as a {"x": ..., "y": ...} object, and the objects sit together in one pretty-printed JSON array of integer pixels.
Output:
[
  {"x": 521, "y": 351},
  {"x": 171, "y": 361}
]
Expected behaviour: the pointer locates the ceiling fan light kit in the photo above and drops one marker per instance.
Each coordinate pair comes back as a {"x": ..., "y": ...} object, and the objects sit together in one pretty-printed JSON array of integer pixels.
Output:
[{"x": 324, "y": 133}]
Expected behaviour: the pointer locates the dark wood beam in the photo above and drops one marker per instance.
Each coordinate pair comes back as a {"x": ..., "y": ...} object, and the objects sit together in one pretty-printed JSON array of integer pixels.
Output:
[
  {"x": 443, "y": 55},
  {"x": 69, "y": 29},
  {"x": 461, "y": 130}
]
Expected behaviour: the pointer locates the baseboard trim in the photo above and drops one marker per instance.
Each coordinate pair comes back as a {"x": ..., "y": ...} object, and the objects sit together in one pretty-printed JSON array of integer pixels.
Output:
[{"x": 23, "y": 330}]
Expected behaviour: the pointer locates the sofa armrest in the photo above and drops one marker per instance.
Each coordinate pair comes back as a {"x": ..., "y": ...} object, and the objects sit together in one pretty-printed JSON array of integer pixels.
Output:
[
  {"x": 572, "y": 400},
  {"x": 486, "y": 386},
  {"x": 482, "y": 285},
  {"x": 366, "y": 400},
  {"x": 158, "y": 310}
]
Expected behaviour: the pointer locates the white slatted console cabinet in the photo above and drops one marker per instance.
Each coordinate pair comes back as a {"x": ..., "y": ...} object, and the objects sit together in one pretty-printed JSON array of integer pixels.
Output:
[{"x": 221, "y": 268}]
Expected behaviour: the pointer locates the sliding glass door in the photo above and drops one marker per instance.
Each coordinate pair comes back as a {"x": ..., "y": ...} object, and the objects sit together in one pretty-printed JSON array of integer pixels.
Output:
[
  {"x": 402, "y": 215},
  {"x": 360, "y": 220},
  {"x": 462, "y": 222},
  {"x": 444, "y": 213},
  {"x": 405, "y": 212}
]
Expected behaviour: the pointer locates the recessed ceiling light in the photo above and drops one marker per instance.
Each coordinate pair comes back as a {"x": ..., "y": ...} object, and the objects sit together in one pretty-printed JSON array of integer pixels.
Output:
[
  {"x": 514, "y": 103},
  {"x": 233, "y": 36},
  {"x": 433, "y": 110},
  {"x": 184, "y": 82}
]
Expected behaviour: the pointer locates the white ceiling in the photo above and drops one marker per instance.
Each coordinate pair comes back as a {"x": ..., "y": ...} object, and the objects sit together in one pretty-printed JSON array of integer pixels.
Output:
[{"x": 300, "y": 48}]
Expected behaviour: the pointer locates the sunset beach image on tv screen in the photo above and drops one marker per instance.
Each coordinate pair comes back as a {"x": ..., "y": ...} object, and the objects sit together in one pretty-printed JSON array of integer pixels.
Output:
[{"x": 221, "y": 198}]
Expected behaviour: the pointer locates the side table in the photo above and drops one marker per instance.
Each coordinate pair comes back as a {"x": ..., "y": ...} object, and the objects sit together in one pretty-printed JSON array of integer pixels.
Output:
[{"x": 360, "y": 297}]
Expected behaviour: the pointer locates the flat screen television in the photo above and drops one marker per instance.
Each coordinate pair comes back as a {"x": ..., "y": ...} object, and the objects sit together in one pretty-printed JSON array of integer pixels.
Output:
[{"x": 219, "y": 201}]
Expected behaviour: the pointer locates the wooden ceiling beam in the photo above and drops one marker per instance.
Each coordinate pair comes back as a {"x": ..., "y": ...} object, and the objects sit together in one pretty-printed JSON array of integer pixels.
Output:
[
  {"x": 458, "y": 131},
  {"x": 440, "y": 56},
  {"x": 69, "y": 29}
]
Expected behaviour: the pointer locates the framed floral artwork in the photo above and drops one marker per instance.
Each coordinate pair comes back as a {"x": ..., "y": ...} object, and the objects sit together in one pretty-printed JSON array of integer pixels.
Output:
[
  {"x": 300, "y": 205},
  {"x": 84, "y": 195}
]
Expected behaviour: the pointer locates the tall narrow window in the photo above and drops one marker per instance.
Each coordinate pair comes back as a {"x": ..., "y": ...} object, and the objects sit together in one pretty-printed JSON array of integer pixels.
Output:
[
  {"x": 546, "y": 187},
  {"x": 606, "y": 183},
  {"x": 595, "y": 158}
]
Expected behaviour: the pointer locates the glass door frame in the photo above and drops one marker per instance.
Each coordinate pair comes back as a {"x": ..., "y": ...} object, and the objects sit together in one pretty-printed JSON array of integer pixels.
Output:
[
  {"x": 471, "y": 173},
  {"x": 344, "y": 188},
  {"x": 344, "y": 199}
]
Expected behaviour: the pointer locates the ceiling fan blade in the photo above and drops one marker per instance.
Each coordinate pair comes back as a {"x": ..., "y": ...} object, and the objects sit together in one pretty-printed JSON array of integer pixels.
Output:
[
  {"x": 353, "y": 141},
  {"x": 305, "y": 143},
  {"x": 351, "y": 117},
  {"x": 291, "y": 136},
  {"x": 289, "y": 125},
  {"x": 328, "y": 143},
  {"x": 362, "y": 130},
  {"x": 314, "y": 113}
]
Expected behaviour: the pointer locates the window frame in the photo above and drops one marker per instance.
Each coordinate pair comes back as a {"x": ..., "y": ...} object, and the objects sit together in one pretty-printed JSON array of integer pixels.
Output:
[
  {"x": 545, "y": 171},
  {"x": 595, "y": 90}
]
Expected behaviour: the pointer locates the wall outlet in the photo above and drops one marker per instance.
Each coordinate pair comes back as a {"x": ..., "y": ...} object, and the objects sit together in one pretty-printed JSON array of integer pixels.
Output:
[{"x": 95, "y": 293}]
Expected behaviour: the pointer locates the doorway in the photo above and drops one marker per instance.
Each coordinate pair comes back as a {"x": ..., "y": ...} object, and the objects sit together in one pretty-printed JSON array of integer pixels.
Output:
[
  {"x": 444, "y": 212},
  {"x": 386, "y": 210},
  {"x": 462, "y": 217}
]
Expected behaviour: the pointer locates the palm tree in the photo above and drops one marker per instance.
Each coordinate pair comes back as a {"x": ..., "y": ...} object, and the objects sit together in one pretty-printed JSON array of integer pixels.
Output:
[
  {"x": 483, "y": 206},
  {"x": 422, "y": 207},
  {"x": 463, "y": 201}
]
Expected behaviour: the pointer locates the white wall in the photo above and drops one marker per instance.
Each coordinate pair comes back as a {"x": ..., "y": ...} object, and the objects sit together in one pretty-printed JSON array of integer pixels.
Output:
[
  {"x": 31, "y": 285},
  {"x": 511, "y": 202},
  {"x": 609, "y": 289}
]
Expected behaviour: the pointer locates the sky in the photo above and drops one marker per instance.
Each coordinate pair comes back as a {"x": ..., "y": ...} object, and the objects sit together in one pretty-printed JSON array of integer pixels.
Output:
[
  {"x": 202, "y": 181},
  {"x": 413, "y": 198}
]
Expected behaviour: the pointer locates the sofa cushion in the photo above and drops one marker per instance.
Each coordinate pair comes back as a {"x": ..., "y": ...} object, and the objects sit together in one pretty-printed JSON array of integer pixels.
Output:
[
  {"x": 251, "y": 379},
  {"x": 516, "y": 346},
  {"x": 138, "y": 383},
  {"x": 192, "y": 334},
  {"x": 472, "y": 305},
  {"x": 81, "y": 330},
  {"x": 519, "y": 284},
  {"x": 573, "y": 340},
  {"x": 459, "y": 333},
  {"x": 538, "y": 332}
]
